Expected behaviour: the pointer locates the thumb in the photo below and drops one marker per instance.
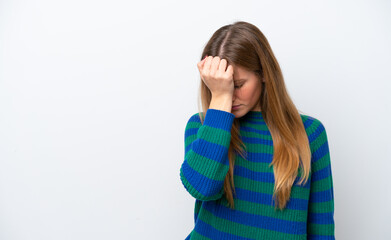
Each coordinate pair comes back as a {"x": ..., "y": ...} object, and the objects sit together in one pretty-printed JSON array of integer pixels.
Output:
[{"x": 201, "y": 63}]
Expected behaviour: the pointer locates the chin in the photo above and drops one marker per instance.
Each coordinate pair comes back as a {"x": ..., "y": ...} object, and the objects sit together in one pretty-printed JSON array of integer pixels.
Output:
[{"x": 237, "y": 113}]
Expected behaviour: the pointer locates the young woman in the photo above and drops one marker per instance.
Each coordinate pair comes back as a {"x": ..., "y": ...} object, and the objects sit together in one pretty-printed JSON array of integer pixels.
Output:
[{"x": 257, "y": 168}]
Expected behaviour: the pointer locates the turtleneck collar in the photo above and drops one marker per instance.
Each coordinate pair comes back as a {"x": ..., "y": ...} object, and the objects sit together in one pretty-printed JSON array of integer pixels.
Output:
[{"x": 254, "y": 115}]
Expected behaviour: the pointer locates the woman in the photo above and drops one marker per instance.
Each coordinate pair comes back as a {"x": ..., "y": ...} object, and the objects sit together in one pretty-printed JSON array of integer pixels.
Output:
[{"x": 257, "y": 168}]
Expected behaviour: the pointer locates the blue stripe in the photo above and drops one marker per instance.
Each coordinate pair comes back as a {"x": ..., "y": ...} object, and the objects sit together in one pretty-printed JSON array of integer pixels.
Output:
[
  {"x": 189, "y": 132},
  {"x": 321, "y": 174},
  {"x": 258, "y": 221},
  {"x": 267, "y": 177},
  {"x": 255, "y": 140},
  {"x": 322, "y": 196},
  {"x": 219, "y": 119},
  {"x": 321, "y": 218},
  {"x": 253, "y": 130},
  {"x": 308, "y": 122},
  {"x": 320, "y": 152},
  {"x": 213, "y": 151}
]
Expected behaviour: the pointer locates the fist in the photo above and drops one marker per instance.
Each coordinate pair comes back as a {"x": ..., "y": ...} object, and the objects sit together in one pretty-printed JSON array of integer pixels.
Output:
[{"x": 216, "y": 75}]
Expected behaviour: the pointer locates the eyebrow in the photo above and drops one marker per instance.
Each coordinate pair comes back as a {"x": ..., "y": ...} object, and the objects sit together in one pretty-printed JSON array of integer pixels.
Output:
[{"x": 239, "y": 80}]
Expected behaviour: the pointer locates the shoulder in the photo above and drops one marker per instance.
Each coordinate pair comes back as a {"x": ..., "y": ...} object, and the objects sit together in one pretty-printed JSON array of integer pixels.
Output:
[
  {"x": 313, "y": 126},
  {"x": 318, "y": 140}
]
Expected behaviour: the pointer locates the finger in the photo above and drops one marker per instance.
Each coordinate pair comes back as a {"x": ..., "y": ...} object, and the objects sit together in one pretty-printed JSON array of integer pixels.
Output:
[
  {"x": 201, "y": 63},
  {"x": 222, "y": 65},
  {"x": 230, "y": 70},
  {"x": 214, "y": 65},
  {"x": 206, "y": 66}
]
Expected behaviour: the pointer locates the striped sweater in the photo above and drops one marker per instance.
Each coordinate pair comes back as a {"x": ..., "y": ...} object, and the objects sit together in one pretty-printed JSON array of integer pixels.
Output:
[{"x": 309, "y": 213}]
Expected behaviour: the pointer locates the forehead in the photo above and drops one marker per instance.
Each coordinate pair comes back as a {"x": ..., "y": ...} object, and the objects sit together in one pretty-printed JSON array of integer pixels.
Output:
[{"x": 240, "y": 73}]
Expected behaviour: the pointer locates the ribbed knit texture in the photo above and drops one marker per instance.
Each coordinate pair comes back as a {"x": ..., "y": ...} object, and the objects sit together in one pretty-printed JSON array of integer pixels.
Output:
[{"x": 309, "y": 213}]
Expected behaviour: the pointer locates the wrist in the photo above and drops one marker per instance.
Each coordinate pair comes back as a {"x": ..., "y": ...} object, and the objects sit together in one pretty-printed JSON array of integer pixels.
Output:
[{"x": 221, "y": 102}]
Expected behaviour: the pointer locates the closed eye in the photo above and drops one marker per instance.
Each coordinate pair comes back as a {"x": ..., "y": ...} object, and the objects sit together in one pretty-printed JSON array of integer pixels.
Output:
[{"x": 239, "y": 86}]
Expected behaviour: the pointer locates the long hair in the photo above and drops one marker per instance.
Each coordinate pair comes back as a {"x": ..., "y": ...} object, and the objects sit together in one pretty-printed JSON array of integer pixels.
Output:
[{"x": 243, "y": 44}]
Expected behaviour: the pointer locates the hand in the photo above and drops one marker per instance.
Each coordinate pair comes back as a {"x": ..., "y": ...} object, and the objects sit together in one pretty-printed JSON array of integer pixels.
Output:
[{"x": 216, "y": 77}]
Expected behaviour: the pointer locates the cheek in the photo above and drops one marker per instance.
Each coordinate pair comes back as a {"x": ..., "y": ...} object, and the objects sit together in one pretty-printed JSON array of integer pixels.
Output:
[
  {"x": 246, "y": 93},
  {"x": 249, "y": 93}
]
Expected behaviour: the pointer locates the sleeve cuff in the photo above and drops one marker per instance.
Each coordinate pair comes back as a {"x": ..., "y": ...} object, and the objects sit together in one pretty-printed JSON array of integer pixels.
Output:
[{"x": 219, "y": 119}]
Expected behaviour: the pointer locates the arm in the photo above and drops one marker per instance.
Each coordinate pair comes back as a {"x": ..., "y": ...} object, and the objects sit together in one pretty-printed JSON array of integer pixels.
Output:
[
  {"x": 206, "y": 154},
  {"x": 320, "y": 222}
]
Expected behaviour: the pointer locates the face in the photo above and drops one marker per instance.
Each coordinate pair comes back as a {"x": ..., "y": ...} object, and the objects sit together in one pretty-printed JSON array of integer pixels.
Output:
[{"x": 247, "y": 92}]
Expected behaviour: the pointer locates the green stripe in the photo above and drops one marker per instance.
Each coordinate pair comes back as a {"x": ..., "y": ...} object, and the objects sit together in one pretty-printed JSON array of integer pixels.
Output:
[
  {"x": 321, "y": 163},
  {"x": 253, "y": 166},
  {"x": 321, "y": 207},
  {"x": 196, "y": 236},
  {"x": 321, "y": 185},
  {"x": 214, "y": 135},
  {"x": 320, "y": 229},
  {"x": 267, "y": 188}
]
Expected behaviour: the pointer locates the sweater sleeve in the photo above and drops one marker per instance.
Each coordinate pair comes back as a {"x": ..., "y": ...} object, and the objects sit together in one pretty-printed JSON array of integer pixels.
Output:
[
  {"x": 320, "y": 222},
  {"x": 206, "y": 161}
]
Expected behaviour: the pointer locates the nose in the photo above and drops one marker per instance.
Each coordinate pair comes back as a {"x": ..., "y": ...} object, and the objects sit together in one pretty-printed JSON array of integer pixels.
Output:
[{"x": 234, "y": 96}]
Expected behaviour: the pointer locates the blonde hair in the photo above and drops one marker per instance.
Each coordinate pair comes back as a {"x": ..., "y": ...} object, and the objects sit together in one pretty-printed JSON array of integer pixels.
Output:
[{"x": 243, "y": 44}]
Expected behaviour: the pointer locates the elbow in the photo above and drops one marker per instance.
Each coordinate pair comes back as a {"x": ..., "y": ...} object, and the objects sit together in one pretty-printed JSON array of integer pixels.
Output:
[{"x": 203, "y": 191}]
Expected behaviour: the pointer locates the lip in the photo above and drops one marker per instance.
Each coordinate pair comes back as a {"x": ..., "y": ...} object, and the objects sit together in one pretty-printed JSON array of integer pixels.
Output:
[{"x": 236, "y": 106}]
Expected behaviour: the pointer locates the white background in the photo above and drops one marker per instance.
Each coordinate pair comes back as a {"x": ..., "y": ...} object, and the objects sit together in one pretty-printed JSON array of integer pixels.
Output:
[{"x": 95, "y": 96}]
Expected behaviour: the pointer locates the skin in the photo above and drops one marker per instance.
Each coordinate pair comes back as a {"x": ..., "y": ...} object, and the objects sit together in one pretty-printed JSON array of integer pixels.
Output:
[{"x": 247, "y": 91}]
